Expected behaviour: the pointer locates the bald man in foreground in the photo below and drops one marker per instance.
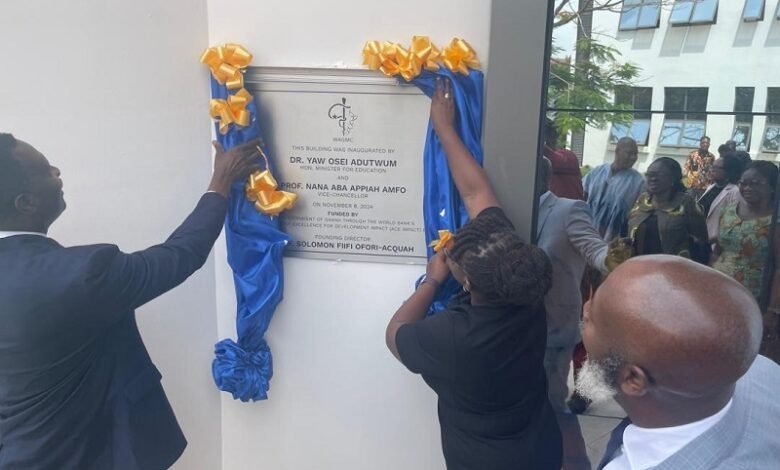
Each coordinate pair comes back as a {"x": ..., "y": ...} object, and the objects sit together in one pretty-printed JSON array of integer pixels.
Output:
[{"x": 676, "y": 344}]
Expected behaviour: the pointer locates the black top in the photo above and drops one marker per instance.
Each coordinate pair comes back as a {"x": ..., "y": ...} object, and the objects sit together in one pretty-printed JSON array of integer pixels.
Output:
[
  {"x": 77, "y": 387},
  {"x": 709, "y": 197},
  {"x": 651, "y": 240},
  {"x": 486, "y": 365}
]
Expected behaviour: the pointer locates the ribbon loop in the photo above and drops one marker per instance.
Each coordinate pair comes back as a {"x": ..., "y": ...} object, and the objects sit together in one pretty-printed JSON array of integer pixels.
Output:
[
  {"x": 393, "y": 59},
  {"x": 261, "y": 189},
  {"x": 426, "y": 52},
  {"x": 460, "y": 56},
  {"x": 445, "y": 241},
  {"x": 227, "y": 63}
]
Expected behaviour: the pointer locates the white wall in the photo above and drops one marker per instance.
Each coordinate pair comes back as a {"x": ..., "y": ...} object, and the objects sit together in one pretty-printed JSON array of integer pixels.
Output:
[
  {"x": 112, "y": 93},
  {"x": 338, "y": 399},
  {"x": 721, "y": 57}
]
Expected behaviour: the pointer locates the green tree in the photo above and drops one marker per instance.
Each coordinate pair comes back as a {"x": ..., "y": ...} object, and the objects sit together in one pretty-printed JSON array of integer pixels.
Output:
[
  {"x": 589, "y": 85},
  {"x": 591, "y": 80}
]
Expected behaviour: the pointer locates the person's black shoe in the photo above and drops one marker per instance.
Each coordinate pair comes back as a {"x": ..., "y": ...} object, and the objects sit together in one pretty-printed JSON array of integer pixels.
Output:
[{"x": 578, "y": 404}]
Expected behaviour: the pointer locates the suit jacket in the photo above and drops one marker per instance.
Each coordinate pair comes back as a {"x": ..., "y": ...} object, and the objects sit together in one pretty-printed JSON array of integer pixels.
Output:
[
  {"x": 567, "y": 234},
  {"x": 729, "y": 193},
  {"x": 77, "y": 387},
  {"x": 746, "y": 437},
  {"x": 679, "y": 225}
]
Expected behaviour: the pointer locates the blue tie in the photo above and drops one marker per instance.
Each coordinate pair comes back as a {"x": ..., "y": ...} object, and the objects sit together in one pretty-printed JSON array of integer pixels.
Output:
[{"x": 615, "y": 441}]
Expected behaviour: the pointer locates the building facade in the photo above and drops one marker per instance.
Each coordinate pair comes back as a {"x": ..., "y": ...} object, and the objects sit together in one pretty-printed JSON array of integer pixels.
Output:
[{"x": 698, "y": 57}]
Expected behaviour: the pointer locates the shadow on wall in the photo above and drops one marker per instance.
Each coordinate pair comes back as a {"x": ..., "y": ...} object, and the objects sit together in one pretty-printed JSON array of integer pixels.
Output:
[
  {"x": 687, "y": 39},
  {"x": 641, "y": 39},
  {"x": 697, "y": 38},
  {"x": 745, "y": 34},
  {"x": 673, "y": 42},
  {"x": 773, "y": 38}
]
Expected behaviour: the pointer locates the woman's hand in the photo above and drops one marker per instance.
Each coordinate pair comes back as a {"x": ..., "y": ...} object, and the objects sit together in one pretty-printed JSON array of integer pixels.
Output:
[
  {"x": 437, "y": 269},
  {"x": 443, "y": 107}
]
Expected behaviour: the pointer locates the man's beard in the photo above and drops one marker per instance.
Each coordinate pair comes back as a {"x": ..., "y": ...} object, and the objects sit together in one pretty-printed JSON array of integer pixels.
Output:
[{"x": 597, "y": 380}]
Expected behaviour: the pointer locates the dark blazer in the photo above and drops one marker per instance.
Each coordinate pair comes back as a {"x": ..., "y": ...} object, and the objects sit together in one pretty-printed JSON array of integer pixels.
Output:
[{"x": 77, "y": 387}]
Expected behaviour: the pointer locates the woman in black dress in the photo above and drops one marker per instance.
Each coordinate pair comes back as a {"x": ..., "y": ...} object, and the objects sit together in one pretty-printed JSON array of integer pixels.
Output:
[{"x": 483, "y": 356}]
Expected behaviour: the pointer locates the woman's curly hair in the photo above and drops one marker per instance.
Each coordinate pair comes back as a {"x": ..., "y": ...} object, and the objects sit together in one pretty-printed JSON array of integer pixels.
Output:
[{"x": 499, "y": 265}]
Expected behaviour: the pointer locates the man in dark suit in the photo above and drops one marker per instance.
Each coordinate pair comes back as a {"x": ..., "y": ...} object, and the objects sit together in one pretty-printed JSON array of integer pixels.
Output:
[
  {"x": 676, "y": 344},
  {"x": 77, "y": 387}
]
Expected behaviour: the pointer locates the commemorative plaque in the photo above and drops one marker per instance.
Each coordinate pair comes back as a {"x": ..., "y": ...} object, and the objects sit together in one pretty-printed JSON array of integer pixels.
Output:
[{"x": 350, "y": 144}]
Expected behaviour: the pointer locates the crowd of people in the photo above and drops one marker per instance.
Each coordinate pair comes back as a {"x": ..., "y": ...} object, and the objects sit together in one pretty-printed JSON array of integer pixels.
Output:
[
  {"x": 669, "y": 265},
  {"x": 671, "y": 261}
]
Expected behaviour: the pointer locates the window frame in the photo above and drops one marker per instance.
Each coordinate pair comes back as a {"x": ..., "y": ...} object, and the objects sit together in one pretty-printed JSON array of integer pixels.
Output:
[
  {"x": 637, "y": 123},
  {"x": 740, "y": 119},
  {"x": 772, "y": 122},
  {"x": 641, "y": 6},
  {"x": 694, "y": 4},
  {"x": 753, "y": 19},
  {"x": 685, "y": 122}
]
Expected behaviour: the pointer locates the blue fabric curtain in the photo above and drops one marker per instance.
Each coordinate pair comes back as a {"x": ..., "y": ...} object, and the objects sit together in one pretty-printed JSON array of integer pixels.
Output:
[
  {"x": 443, "y": 207},
  {"x": 255, "y": 245}
]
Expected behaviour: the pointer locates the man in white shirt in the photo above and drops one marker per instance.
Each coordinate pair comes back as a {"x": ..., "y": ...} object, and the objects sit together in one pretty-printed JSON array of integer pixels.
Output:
[{"x": 676, "y": 344}]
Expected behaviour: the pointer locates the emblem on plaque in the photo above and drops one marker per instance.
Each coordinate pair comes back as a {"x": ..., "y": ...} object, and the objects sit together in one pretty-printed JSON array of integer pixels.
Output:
[{"x": 344, "y": 115}]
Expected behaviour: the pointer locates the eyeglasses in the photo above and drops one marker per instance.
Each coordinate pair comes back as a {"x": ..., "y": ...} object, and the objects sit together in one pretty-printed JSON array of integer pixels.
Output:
[
  {"x": 752, "y": 183},
  {"x": 657, "y": 174}
]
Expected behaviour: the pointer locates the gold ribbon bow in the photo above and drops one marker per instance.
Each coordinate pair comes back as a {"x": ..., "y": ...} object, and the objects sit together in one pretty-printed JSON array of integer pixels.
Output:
[
  {"x": 393, "y": 59},
  {"x": 261, "y": 189},
  {"x": 382, "y": 57},
  {"x": 460, "y": 56},
  {"x": 426, "y": 52},
  {"x": 226, "y": 63},
  {"x": 231, "y": 111},
  {"x": 445, "y": 241}
]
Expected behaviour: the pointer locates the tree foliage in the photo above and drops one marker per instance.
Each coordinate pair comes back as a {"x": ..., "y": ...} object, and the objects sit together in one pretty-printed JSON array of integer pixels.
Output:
[{"x": 588, "y": 84}]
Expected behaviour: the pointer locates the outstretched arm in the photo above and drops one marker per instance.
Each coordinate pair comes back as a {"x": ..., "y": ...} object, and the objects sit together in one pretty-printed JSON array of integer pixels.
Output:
[
  {"x": 470, "y": 179},
  {"x": 125, "y": 281}
]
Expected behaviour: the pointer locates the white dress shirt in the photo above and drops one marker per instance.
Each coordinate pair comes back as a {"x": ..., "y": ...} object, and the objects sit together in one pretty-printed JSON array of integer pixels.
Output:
[
  {"x": 11, "y": 234},
  {"x": 645, "y": 448}
]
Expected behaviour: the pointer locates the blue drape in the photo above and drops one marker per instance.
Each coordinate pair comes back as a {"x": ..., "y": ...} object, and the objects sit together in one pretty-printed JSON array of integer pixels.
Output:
[
  {"x": 443, "y": 207},
  {"x": 255, "y": 245}
]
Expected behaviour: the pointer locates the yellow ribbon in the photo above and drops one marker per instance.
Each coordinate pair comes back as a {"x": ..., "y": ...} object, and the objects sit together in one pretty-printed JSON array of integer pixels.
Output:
[
  {"x": 261, "y": 189},
  {"x": 231, "y": 111},
  {"x": 445, "y": 241},
  {"x": 460, "y": 57},
  {"x": 393, "y": 59},
  {"x": 426, "y": 52},
  {"x": 226, "y": 63}
]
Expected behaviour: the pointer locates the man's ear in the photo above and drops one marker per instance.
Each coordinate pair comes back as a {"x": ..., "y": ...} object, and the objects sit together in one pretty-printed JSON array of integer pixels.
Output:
[
  {"x": 633, "y": 381},
  {"x": 26, "y": 203}
]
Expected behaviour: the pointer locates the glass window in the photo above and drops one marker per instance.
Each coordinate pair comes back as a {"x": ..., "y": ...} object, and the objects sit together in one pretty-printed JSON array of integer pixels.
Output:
[
  {"x": 754, "y": 10},
  {"x": 639, "y": 100},
  {"x": 640, "y": 14},
  {"x": 690, "y": 12},
  {"x": 685, "y": 119},
  {"x": 772, "y": 132},
  {"x": 743, "y": 120}
]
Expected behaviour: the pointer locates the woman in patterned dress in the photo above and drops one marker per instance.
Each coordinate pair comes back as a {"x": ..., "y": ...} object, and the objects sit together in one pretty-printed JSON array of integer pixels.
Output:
[{"x": 743, "y": 244}]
